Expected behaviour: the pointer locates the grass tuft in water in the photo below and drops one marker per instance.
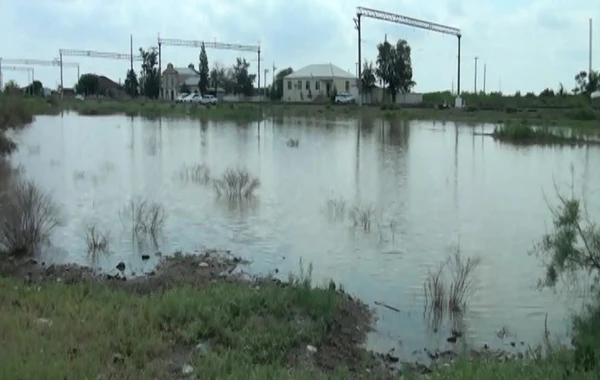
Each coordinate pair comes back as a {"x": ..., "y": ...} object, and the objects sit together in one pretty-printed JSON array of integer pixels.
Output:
[
  {"x": 144, "y": 216},
  {"x": 450, "y": 292},
  {"x": 362, "y": 216},
  {"x": 236, "y": 184},
  {"x": 96, "y": 240},
  {"x": 196, "y": 173},
  {"x": 28, "y": 217},
  {"x": 523, "y": 133}
]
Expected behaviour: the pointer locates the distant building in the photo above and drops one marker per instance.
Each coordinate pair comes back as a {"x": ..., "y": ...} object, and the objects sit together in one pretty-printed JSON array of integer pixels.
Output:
[
  {"x": 317, "y": 83},
  {"x": 174, "y": 77},
  {"x": 108, "y": 87}
]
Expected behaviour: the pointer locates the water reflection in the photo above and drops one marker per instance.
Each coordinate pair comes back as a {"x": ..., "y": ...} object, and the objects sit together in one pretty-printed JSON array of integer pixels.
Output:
[{"x": 431, "y": 185}]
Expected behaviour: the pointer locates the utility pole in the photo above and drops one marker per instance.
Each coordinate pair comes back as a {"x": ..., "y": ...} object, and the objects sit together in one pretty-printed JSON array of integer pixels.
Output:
[
  {"x": 590, "y": 71},
  {"x": 484, "y": 75},
  {"x": 131, "y": 64},
  {"x": 265, "y": 82},
  {"x": 357, "y": 26},
  {"x": 475, "y": 81}
]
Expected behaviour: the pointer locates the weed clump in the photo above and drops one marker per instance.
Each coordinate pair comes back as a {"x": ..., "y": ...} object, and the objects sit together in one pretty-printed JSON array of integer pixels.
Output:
[
  {"x": 143, "y": 216},
  {"x": 28, "y": 215},
  {"x": 236, "y": 184},
  {"x": 450, "y": 292},
  {"x": 96, "y": 240}
]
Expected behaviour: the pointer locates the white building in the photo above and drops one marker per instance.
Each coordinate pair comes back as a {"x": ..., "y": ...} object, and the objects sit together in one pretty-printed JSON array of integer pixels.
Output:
[
  {"x": 317, "y": 83},
  {"x": 174, "y": 77}
]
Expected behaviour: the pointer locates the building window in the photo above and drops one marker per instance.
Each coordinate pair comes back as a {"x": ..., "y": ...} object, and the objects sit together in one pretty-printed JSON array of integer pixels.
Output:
[
  {"x": 289, "y": 84},
  {"x": 299, "y": 85},
  {"x": 347, "y": 86},
  {"x": 317, "y": 85},
  {"x": 308, "y": 85}
]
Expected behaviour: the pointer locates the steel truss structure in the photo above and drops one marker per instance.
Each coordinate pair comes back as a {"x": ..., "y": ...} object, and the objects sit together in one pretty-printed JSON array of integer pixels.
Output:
[
  {"x": 91, "y": 54},
  {"x": 403, "y": 20},
  {"x": 208, "y": 45},
  {"x": 35, "y": 62}
]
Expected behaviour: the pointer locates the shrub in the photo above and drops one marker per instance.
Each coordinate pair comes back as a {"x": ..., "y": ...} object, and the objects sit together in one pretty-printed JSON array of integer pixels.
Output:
[
  {"x": 236, "y": 184},
  {"x": 28, "y": 217}
]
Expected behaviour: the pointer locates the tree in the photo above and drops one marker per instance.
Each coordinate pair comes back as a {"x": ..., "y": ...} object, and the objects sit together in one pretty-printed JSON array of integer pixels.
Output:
[
  {"x": 277, "y": 92},
  {"x": 548, "y": 93},
  {"x": 244, "y": 82},
  {"x": 131, "y": 85},
  {"x": 88, "y": 84},
  {"x": 149, "y": 78},
  {"x": 394, "y": 67},
  {"x": 587, "y": 84},
  {"x": 561, "y": 90},
  {"x": 11, "y": 87},
  {"x": 217, "y": 76},
  {"x": 368, "y": 79},
  {"x": 35, "y": 88},
  {"x": 204, "y": 71}
]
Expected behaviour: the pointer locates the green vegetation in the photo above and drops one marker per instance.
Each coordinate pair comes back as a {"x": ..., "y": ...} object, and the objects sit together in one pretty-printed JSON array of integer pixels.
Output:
[
  {"x": 394, "y": 67},
  {"x": 236, "y": 330},
  {"x": 518, "y": 133}
]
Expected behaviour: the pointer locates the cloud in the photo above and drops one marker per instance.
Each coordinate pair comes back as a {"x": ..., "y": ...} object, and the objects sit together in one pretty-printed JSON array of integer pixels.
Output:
[{"x": 527, "y": 45}]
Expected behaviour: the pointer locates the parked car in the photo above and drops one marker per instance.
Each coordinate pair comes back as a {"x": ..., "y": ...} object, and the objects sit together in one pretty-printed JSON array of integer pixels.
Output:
[
  {"x": 208, "y": 99},
  {"x": 192, "y": 98},
  {"x": 79, "y": 97},
  {"x": 180, "y": 97},
  {"x": 344, "y": 98}
]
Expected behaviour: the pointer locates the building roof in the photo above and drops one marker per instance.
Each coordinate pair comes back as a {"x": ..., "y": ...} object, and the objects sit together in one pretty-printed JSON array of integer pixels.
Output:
[
  {"x": 324, "y": 70},
  {"x": 185, "y": 71}
]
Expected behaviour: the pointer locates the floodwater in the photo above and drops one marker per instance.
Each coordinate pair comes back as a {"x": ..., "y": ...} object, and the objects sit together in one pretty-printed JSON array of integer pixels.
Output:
[{"x": 435, "y": 186}]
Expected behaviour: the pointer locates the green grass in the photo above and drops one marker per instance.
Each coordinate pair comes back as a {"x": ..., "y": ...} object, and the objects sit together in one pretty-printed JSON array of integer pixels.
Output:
[
  {"x": 252, "y": 333},
  {"x": 575, "y": 115},
  {"x": 526, "y": 134}
]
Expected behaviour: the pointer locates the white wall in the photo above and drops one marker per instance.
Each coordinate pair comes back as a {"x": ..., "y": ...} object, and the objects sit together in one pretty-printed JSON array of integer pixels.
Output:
[
  {"x": 378, "y": 96},
  {"x": 299, "y": 93}
]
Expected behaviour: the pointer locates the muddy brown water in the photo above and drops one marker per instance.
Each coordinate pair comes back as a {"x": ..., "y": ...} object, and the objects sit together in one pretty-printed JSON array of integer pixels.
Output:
[{"x": 438, "y": 184}]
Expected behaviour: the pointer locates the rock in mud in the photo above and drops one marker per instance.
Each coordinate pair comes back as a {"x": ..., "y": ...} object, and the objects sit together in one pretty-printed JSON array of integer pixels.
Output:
[
  {"x": 118, "y": 358},
  {"x": 187, "y": 370},
  {"x": 202, "y": 349},
  {"x": 121, "y": 266},
  {"x": 43, "y": 322},
  {"x": 311, "y": 349}
]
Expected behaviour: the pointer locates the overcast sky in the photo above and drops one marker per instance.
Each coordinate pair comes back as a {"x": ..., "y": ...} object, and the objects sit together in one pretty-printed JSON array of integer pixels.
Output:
[{"x": 528, "y": 45}]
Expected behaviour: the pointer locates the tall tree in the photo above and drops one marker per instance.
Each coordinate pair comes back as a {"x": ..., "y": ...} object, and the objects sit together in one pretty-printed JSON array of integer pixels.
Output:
[
  {"x": 204, "y": 70},
  {"x": 244, "y": 81},
  {"x": 587, "y": 84},
  {"x": 368, "y": 79},
  {"x": 88, "y": 84},
  {"x": 149, "y": 77},
  {"x": 131, "y": 85},
  {"x": 394, "y": 67},
  {"x": 217, "y": 76},
  {"x": 277, "y": 92}
]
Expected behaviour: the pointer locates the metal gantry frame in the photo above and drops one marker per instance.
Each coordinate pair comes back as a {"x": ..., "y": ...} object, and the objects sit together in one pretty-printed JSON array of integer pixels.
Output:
[
  {"x": 403, "y": 20},
  {"x": 36, "y": 62},
  {"x": 208, "y": 45},
  {"x": 30, "y": 70},
  {"x": 91, "y": 54}
]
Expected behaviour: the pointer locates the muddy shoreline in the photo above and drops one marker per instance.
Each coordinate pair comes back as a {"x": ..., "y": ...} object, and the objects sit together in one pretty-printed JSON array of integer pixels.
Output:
[{"x": 343, "y": 346}]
